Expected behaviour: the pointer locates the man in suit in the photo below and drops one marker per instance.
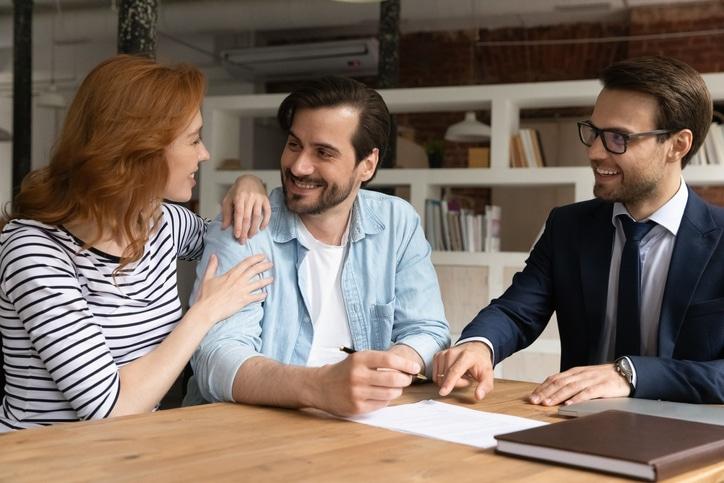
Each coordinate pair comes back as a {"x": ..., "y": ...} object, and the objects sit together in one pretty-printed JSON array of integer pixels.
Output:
[{"x": 635, "y": 276}]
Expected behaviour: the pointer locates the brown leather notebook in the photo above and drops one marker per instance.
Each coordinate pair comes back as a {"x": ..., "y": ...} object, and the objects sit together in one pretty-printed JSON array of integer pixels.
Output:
[{"x": 636, "y": 445}]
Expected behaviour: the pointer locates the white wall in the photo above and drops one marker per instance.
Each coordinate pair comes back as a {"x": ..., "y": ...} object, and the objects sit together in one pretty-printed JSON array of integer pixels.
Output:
[{"x": 6, "y": 153}]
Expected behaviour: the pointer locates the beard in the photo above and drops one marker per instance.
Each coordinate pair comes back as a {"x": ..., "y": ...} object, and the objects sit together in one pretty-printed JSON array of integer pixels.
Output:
[
  {"x": 632, "y": 189},
  {"x": 626, "y": 194},
  {"x": 331, "y": 195}
]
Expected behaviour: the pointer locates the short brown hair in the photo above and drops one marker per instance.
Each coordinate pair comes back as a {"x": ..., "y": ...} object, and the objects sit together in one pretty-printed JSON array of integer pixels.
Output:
[
  {"x": 109, "y": 165},
  {"x": 683, "y": 98},
  {"x": 373, "y": 128}
]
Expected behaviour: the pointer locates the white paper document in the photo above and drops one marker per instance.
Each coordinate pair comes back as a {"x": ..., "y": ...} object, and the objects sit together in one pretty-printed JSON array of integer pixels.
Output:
[{"x": 448, "y": 422}]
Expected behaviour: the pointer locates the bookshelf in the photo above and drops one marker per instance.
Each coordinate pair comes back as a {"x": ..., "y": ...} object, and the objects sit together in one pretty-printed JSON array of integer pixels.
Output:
[{"x": 468, "y": 280}]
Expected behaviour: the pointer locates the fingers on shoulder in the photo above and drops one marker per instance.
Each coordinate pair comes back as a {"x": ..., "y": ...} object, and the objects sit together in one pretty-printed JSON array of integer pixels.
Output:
[{"x": 253, "y": 264}]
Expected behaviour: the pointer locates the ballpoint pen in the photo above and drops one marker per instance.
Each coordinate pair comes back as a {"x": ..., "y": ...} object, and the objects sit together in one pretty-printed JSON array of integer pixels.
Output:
[{"x": 419, "y": 377}]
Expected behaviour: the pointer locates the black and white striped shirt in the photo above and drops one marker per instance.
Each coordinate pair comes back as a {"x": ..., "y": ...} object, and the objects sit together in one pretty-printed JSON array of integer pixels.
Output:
[{"x": 67, "y": 327}]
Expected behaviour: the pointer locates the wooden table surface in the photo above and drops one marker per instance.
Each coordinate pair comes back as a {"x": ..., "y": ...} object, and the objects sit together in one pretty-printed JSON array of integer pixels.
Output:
[{"x": 233, "y": 442}]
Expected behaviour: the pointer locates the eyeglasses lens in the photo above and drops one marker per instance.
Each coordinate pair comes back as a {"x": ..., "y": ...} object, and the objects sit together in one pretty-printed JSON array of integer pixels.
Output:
[{"x": 613, "y": 142}]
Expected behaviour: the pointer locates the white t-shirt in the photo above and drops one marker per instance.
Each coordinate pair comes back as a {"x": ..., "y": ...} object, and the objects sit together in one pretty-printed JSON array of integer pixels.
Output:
[{"x": 322, "y": 270}]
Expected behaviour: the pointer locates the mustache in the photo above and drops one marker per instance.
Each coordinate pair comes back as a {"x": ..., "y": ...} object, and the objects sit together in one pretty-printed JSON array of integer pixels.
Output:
[{"x": 303, "y": 179}]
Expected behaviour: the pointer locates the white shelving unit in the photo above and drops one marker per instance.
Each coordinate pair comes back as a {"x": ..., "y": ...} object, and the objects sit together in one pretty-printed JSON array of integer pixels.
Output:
[{"x": 228, "y": 128}]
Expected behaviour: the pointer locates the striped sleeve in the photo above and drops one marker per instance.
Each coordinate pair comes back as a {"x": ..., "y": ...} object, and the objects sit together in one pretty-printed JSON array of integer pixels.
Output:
[
  {"x": 188, "y": 230},
  {"x": 39, "y": 280}
]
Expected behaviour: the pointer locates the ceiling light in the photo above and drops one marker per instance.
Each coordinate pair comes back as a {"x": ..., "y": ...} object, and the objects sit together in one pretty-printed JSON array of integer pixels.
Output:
[{"x": 470, "y": 130}]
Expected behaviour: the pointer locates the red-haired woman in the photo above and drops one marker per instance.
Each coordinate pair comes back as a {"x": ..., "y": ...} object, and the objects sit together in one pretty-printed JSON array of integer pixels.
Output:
[{"x": 89, "y": 311}]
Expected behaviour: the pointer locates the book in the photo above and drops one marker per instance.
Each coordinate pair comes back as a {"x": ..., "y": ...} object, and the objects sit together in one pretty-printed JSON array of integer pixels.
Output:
[
  {"x": 538, "y": 148},
  {"x": 433, "y": 228},
  {"x": 716, "y": 135},
  {"x": 430, "y": 222},
  {"x": 492, "y": 228},
  {"x": 517, "y": 157},
  {"x": 526, "y": 140},
  {"x": 630, "y": 444},
  {"x": 479, "y": 157},
  {"x": 447, "y": 244}
]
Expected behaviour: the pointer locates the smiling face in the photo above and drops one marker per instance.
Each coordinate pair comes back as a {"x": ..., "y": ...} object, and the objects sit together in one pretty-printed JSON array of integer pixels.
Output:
[
  {"x": 647, "y": 174},
  {"x": 318, "y": 166},
  {"x": 183, "y": 156}
]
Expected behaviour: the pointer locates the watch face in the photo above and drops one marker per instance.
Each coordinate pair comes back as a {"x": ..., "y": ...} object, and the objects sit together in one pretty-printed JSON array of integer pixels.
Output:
[{"x": 624, "y": 368}]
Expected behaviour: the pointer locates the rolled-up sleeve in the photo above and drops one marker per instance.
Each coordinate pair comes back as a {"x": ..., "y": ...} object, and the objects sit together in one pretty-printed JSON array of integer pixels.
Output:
[
  {"x": 419, "y": 313},
  {"x": 231, "y": 341}
]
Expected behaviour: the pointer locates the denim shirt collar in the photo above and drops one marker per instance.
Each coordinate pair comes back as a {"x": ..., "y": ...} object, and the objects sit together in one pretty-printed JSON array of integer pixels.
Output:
[{"x": 283, "y": 226}]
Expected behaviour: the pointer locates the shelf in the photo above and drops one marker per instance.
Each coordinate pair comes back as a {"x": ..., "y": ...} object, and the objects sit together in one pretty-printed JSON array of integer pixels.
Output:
[{"x": 704, "y": 175}]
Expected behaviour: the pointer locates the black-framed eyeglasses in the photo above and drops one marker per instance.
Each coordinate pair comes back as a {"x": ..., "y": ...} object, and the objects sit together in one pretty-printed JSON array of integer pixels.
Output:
[{"x": 614, "y": 142}]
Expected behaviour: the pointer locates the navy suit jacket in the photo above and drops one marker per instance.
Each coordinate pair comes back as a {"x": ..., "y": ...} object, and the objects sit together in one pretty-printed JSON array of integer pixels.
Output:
[{"x": 567, "y": 272}]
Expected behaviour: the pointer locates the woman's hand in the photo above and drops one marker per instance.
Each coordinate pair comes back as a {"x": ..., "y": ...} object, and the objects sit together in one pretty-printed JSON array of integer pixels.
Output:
[
  {"x": 247, "y": 205},
  {"x": 223, "y": 296}
]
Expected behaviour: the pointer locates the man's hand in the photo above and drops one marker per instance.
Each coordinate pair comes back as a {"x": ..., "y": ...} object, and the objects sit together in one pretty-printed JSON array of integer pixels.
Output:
[
  {"x": 247, "y": 205},
  {"x": 581, "y": 384},
  {"x": 463, "y": 365},
  {"x": 356, "y": 386}
]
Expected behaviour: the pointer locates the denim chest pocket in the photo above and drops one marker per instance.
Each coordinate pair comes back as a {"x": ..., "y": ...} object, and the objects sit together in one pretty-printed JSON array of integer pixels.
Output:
[{"x": 382, "y": 318}]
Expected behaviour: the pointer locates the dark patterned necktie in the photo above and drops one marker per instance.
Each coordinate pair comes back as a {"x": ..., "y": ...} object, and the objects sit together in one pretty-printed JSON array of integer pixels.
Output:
[{"x": 628, "y": 323}]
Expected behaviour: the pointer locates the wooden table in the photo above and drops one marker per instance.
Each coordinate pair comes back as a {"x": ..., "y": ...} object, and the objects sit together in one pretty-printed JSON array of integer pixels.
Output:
[{"x": 244, "y": 443}]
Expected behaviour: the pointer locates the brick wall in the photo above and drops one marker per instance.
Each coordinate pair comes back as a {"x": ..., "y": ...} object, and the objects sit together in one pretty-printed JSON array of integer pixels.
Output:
[
  {"x": 704, "y": 53},
  {"x": 539, "y": 63},
  {"x": 437, "y": 59}
]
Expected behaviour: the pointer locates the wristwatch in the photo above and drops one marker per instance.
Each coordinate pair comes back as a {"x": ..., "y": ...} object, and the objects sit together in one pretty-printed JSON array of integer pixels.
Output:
[{"x": 623, "y": 367}]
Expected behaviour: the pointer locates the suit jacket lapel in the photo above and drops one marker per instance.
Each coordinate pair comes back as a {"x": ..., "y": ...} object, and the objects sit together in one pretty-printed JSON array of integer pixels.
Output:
[
  {"x": 595, "y": 253},
  {"x": 695, "y": 242}
]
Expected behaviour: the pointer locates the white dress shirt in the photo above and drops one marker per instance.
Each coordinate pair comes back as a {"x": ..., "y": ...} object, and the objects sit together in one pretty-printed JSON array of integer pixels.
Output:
[{"x": 655, "y": 251}]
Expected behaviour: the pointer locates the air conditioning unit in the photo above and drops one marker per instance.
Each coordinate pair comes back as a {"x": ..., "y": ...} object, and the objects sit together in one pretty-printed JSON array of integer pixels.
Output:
[{"x": 356, "y": 57}]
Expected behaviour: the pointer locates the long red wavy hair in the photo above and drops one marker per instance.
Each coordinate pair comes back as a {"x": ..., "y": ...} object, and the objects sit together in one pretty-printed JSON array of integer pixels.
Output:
[{"x": 108, "y": 166}]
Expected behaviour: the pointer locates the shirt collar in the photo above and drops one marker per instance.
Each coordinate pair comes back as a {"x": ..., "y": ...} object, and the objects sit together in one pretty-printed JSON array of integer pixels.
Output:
[
  {"x": 669, "y": 215},
  {"x": 283, "y": 226},
  {"x": 305, "y": 237}
]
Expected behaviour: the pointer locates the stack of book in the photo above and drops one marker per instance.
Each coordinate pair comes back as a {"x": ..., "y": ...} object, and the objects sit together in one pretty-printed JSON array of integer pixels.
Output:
[
  {"x": 712, "y": 151},
  {"x": 450, "y": 227},
  {"x": 526, "y": 150}
]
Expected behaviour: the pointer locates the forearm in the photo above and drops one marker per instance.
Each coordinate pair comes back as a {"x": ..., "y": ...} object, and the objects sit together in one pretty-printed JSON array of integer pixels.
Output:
[
  {"x": 264, "y": 381},
  {"x": 146, "y": 380},
  {"x": 676, "y": 380}
]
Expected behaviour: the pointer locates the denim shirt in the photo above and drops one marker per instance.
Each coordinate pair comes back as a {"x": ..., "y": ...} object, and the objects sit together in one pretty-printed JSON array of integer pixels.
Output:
[{"x": 389, "y": 286}]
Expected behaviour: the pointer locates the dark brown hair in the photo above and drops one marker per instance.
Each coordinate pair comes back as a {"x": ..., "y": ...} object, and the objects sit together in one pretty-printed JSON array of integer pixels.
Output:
[
  {"x": 108, "y": 166},
  {"x": 683, "y": 98},
  {"x": 373, "y": 128}
]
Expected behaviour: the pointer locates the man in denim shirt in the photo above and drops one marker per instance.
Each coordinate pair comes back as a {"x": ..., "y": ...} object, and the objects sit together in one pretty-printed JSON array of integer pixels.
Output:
[{"x": 351, "y": 269}]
